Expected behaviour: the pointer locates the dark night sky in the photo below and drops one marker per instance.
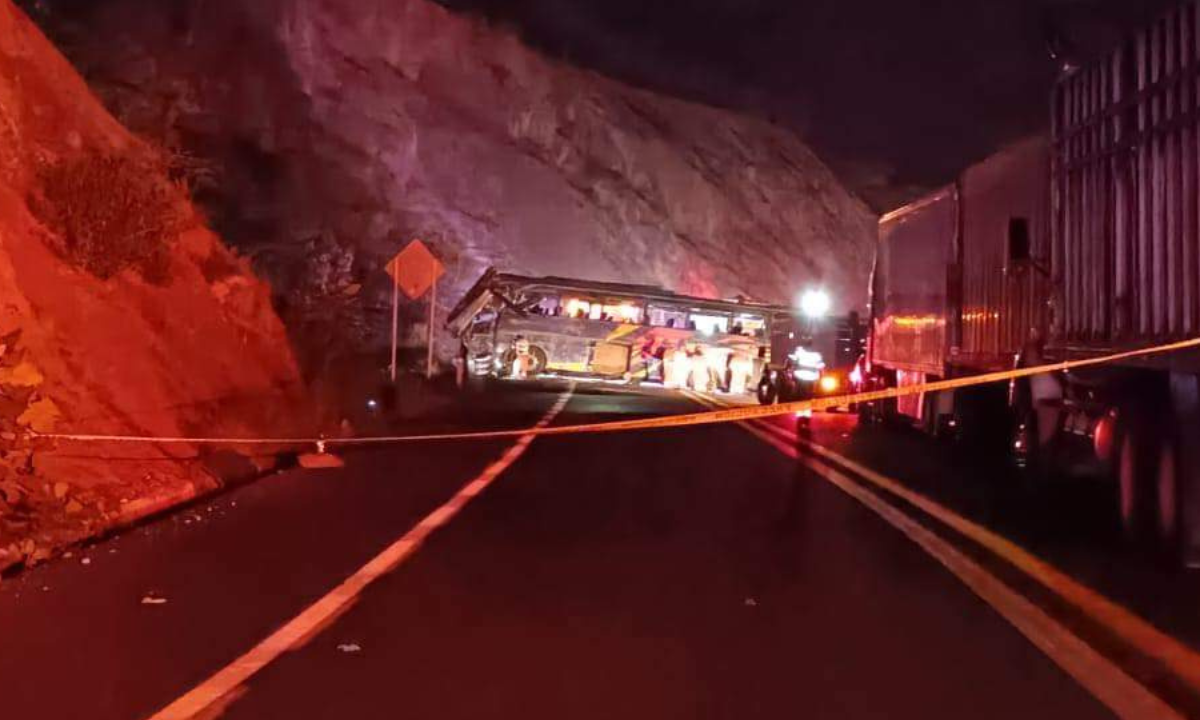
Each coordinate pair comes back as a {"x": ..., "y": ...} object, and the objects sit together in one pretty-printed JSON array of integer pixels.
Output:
[{"x": 894, "y": 95}]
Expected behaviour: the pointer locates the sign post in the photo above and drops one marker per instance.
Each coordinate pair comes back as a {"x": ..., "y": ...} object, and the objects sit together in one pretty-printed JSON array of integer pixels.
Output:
[
  {"x": 432, "y": 316},
  {"x": 414, "y": 270},
  {"x": 395, "y": 324}
]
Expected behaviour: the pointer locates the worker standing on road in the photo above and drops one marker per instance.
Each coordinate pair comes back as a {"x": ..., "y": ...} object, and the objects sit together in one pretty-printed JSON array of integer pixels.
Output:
[
  {"x": 651, "y": 356},
  {"x": 676, "y": 367},
  {"x": 741, "y": 366},
  {"x": 700, "y": 377}
]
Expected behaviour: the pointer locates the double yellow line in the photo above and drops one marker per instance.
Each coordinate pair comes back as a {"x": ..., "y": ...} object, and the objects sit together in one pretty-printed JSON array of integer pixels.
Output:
[{"x": 1112, "y": 685}]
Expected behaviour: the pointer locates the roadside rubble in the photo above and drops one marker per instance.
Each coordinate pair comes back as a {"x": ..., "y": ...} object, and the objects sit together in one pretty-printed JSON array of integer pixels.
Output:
[
  {"x": 40, "y": 520},
  {"x": 36, "y": 514},
  {"x": 40, "y": 517},
  {"x": 320, "y": 461}
]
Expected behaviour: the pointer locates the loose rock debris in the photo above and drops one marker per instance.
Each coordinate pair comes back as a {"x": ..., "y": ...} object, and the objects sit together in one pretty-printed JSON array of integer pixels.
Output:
[{"x": 320, "y": 461}]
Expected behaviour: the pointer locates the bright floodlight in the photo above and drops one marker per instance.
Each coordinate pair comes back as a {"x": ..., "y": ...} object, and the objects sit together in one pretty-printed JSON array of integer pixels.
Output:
[{"x": 815, "y": 303}]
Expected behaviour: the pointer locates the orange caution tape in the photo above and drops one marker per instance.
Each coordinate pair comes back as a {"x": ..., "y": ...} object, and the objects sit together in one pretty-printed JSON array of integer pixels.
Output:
[{"x": 669, "y": 421}]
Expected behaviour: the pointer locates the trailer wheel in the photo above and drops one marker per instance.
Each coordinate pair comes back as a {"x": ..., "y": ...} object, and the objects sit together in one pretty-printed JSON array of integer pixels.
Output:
[
  {"x": 1127, "y": 482},
  {"x": 1025, "y": 440},
  {"x": 1166, "y": 486},
  {"x": 1135, "y": 480},
  {"x": 1028, "y": 454}
]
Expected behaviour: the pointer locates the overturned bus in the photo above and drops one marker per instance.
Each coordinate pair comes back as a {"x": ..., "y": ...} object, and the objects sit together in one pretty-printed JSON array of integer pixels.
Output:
[{"x": 521, "y": 327}]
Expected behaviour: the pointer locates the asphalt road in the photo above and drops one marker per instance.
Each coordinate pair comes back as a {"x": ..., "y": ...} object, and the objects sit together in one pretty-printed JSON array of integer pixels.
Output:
[{"x": 682, "y": 573}]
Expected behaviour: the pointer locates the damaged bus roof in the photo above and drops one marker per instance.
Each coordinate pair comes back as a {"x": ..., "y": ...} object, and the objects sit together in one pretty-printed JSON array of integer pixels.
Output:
[{"x": 497, "y": 284}]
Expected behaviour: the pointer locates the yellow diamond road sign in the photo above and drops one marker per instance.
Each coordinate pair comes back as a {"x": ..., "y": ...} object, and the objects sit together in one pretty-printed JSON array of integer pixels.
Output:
[{"x": 415, "y": 269}]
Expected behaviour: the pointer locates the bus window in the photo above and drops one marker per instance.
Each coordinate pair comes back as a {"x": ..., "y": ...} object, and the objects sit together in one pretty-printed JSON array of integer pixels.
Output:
[
  {"x": 622, "y": 311},
  {"x": 709, "y": 324},
  {"x": 625, "y": 312},
  {"x": 754, "y": 326},
  {"x": 576, "y": 308},
  {"x": 482, "y": 323},
  {"x": 667, "y": 317},
  {"x": 548, "y": 305}
]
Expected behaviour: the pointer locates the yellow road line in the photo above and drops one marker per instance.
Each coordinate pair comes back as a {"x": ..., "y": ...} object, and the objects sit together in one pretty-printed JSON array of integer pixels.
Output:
[
  {"x": 301, "y": 628},
  {"x": 1104, "y": 679}
]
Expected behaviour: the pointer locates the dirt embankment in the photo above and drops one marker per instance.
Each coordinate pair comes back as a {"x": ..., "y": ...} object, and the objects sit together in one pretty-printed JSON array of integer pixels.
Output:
[
  {"x": 120, "y": 312},
  {"x": 328, "y": 134}
]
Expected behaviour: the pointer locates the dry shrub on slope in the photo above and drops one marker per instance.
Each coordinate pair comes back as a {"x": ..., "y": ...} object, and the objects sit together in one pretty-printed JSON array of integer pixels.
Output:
[{"x": 112, "y": 212}]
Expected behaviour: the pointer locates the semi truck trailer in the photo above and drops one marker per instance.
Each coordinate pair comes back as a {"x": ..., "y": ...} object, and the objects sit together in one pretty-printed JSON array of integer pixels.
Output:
[{"x": 1079, "y": 242}]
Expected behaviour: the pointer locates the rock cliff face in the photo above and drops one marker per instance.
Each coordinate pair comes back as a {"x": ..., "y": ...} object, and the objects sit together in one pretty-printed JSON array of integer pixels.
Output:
[
  {"x": 335, "y": 132},
  {"x": 119, "y": 311}
]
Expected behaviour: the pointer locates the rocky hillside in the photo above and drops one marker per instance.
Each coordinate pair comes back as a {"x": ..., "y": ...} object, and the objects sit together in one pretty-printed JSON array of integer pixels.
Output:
[
  {"x": 119, "y": 311},
  {"x": 325, "y": 134}
]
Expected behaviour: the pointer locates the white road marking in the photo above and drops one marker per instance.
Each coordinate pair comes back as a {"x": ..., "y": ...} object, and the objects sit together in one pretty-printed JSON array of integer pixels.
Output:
[
  {"x": 1107, "y": 682},
  {"x": 299, "y": 629}
]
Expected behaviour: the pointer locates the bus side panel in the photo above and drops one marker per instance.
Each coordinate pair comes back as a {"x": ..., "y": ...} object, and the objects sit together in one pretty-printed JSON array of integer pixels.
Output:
[
  {"x": 609, "y": 359},
  {"x": 910, "y": 299}
]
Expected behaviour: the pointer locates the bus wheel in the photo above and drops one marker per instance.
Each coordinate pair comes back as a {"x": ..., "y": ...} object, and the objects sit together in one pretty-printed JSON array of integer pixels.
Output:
[
  {"x": 506, "y": 363},
  {"x": 767, "y": 392},
  {"x": 539, "y": 360}
]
